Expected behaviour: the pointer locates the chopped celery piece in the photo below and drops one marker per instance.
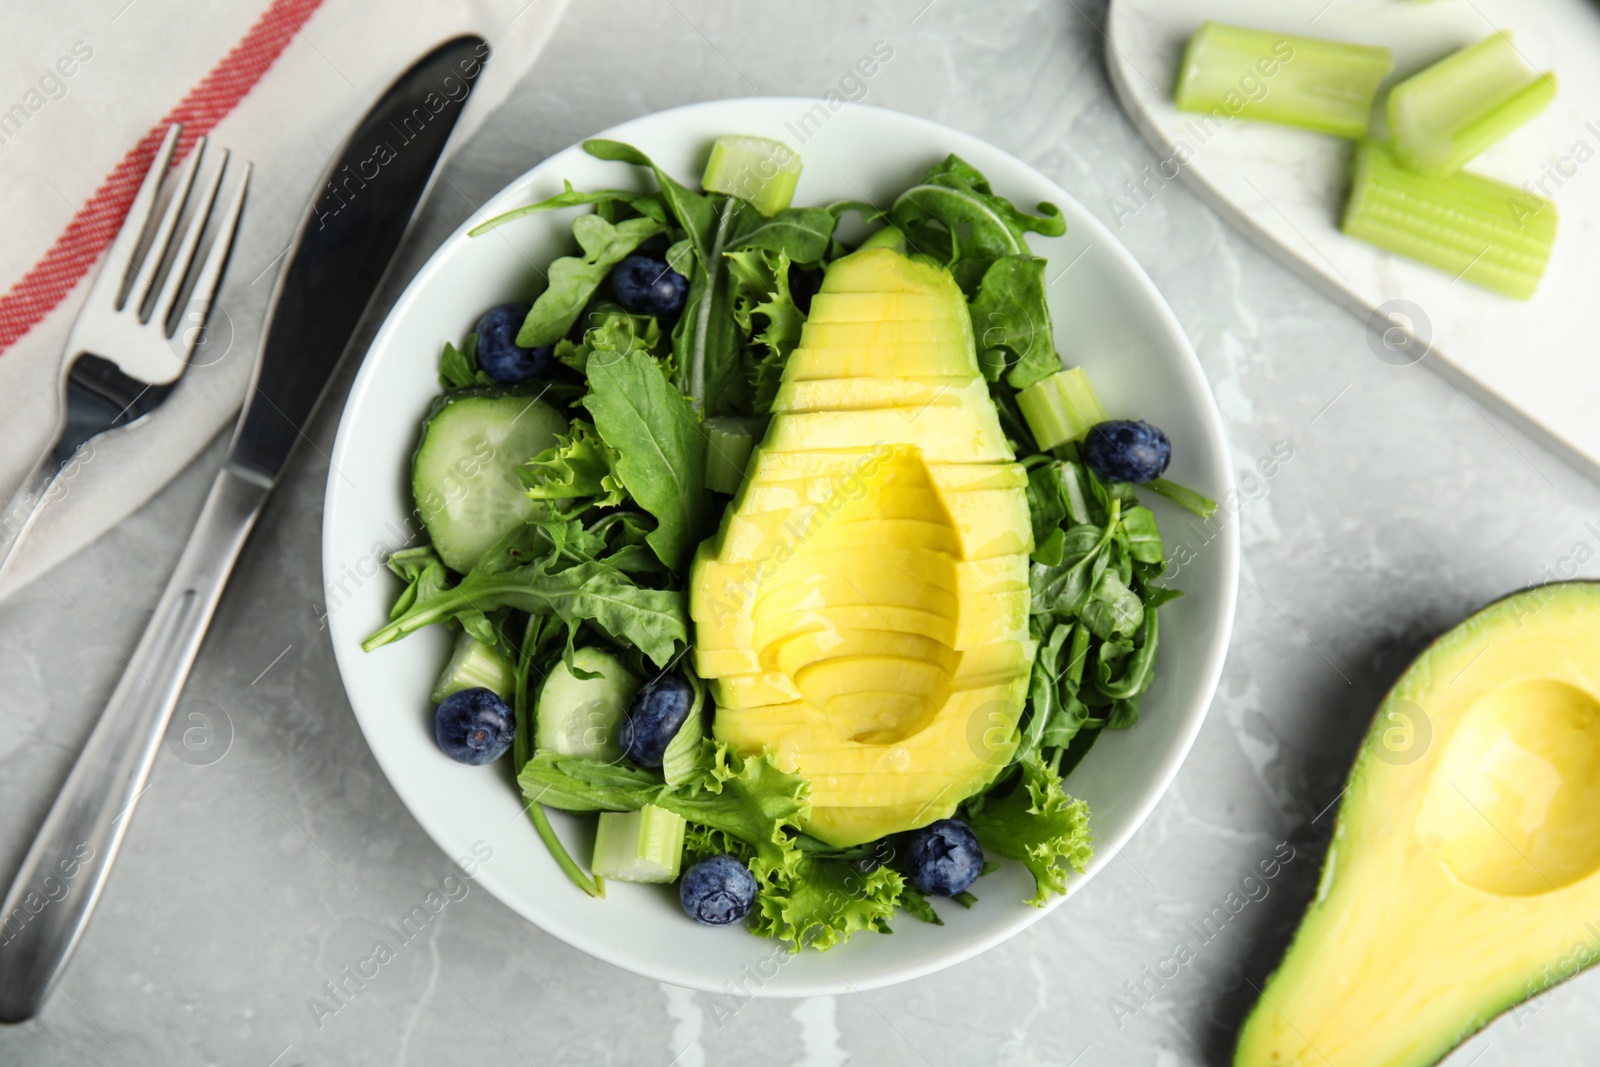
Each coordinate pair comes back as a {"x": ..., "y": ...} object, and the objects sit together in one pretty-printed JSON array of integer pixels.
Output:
[
  {"x": 1276, "y": 77},
  {"x": 472, "y": 665},
  {"x": 1061, "y": 408},
  {"x": 756, "y": 169},
  {"x": 728, "y": 445},
  {"x": 639, "y": 846},
  {"x": 1492, "y": 234},
  {"x": 1448, "y": 113}
]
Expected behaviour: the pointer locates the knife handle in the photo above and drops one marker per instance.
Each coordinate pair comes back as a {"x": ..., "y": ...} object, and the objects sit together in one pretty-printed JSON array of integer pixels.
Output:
[{"x": 65, "y": 870}]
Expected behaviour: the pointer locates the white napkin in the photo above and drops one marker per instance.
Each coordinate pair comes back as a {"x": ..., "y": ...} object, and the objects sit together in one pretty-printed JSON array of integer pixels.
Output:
[{"x": 85, "y": 93}]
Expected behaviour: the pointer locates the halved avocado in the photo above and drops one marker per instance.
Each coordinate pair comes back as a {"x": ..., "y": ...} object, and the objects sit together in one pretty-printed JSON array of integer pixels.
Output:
[
  {"x": 863, "y": 611},
  {"x": 1465, "y": 865}
]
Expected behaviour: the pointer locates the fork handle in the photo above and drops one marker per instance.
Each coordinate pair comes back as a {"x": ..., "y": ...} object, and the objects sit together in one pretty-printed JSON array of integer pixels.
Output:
[{"x": 65, "y": 870}]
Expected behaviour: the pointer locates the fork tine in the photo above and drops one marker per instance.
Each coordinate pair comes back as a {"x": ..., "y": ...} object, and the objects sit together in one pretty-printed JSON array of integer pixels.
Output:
[
  {"x": 210, "y": 270},
  {"x": 118, "y": 269},
  {"x": 150, "y": 267},
  {"x": 203, "y": 205}
]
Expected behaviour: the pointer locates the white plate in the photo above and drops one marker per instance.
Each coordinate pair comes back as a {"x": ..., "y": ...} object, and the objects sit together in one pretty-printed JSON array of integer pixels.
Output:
[{"x": 1108, "y": 317}]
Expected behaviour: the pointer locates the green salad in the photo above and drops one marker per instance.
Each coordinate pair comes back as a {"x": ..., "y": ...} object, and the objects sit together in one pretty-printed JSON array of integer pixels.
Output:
[{"x": 778, "y": 539}]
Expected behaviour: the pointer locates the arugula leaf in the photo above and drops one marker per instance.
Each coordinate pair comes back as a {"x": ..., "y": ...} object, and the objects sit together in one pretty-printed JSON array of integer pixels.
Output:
[
  {"x": 1010, "y": 313},
  {"x": 957, "y": 173},
  {"x": 1039, "y": 825},
  {"x": 573, "y": 280},
  {"x": 1143, "y": 538},
  {"x": 1112, "y": 608},
  {"x": 822, "y": 901},
  {"x": 918, "y": 906},
  {"x": 422, "y": 571},
  {"x": 694, "y": 212},
  {"x": 458, "y": 367},
  {"x": 747, "y": 799},
  {"x": 653, "y": 620},
  {"x": 705, "y": 339},
  {"x": 661, "y": 451},
  {"x": 761, "y": 287},
  {"x": 802, "y": 233},
  {"x": 578, "y": 465},
  {"x": 647, "y": 205}
]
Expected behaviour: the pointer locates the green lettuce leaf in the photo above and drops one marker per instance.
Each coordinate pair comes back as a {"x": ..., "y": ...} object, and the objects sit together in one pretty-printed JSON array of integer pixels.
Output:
[{"x": 1039, "y": 825}]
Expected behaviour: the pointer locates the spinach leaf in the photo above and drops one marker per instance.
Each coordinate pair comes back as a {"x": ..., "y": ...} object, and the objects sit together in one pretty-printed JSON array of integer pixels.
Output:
[
  {"x": 661, "y": 449},
  {"x": 573, "y": 280},
  {"x": 1112, "y": 610}
]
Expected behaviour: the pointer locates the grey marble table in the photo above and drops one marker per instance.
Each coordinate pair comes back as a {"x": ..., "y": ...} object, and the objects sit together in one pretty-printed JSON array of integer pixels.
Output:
[{"x": 248, "y": 882}]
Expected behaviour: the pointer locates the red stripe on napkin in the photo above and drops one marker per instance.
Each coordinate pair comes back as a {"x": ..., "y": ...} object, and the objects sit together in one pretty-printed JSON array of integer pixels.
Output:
[{"x": 48, "y": 281}]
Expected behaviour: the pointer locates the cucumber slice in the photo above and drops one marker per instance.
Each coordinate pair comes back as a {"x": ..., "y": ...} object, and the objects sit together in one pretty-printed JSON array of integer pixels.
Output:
[
  {"x": 474, "y": 664},
  {"x": 639, "y": 846},
  {"x": 583, "y": 716},
  {"x": 464, "y": 474}
]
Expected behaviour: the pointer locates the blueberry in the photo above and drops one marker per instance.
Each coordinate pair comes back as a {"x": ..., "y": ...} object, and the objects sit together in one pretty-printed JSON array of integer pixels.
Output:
[
  {"x": 647, "y": 286},
  {"x": 499, "y": 355},
  {"x": 717, "y": 891},
  {"x": 657, "y": 711},
  {"x": 943, "y": 858},
  {"x": 1125, "y": 450},
  {"x": 804, "y": 282},
  {"x": 474, "y": 726}
]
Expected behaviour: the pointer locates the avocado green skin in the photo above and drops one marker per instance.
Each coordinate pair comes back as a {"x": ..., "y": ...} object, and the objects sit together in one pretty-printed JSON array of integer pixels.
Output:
[{"x": 1490, "y": 614}]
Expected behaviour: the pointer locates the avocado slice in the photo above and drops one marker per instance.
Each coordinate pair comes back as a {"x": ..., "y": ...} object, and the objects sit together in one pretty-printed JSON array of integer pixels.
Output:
[
  {"x": 863, "y": 612},
  {"x": 1464, "y": 872}
]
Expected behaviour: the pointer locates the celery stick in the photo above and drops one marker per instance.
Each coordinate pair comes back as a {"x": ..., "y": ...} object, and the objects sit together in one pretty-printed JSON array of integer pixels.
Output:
[
  {"x": 471, "y": 665},
  {"x": 1448, "y": 113},
  {"x": 639, "y": 846},
  {"x": 729, "y": 440},
  {"x": 1061, "y": 408},
  {"x": 1276, "y": 77},
  {"x": 1492, "y": 234},
  {"x": 756, "y": 169}
]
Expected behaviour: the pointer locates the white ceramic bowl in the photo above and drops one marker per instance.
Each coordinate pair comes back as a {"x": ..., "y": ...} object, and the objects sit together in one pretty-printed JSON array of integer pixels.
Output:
[{"x": 1108, "y": 317}]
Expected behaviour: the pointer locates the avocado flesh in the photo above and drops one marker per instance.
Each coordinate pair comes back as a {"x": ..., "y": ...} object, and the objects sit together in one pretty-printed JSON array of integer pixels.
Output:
[
  {"x": 862, "y": 613},
  {"x": 1464, "y": 873}
]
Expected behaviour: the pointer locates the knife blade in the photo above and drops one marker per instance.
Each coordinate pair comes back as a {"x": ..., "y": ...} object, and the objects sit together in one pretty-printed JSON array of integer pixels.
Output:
[{"x": 356, "y": 220}]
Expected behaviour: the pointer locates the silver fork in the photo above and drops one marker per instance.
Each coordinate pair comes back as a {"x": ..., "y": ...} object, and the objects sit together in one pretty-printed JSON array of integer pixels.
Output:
[{"x": 124, "y": 354}]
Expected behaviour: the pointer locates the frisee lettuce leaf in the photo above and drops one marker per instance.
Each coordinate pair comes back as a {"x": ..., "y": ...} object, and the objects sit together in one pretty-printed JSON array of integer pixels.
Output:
[
  {"x": 1038, "y": 824},
  {"x": 761, "y": 288},
  {"x": 820, "y": 902},
  {"x": 579, "y": 465}
]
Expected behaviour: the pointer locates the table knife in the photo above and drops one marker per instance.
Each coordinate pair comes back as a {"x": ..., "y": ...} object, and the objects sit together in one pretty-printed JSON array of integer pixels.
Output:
[{"x": 355, "y": 222}]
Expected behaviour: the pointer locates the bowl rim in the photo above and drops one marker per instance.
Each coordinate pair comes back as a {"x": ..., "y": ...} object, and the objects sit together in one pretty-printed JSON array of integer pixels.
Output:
[{"x": 1196, "y": 705}]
